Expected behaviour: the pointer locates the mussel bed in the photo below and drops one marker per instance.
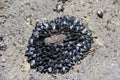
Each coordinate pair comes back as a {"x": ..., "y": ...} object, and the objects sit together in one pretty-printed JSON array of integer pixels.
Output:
[{"x": 60, "y": 57}]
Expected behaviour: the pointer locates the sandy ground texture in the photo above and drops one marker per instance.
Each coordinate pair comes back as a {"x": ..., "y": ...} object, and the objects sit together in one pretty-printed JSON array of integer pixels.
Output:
[{"x": 17, "y": 20}]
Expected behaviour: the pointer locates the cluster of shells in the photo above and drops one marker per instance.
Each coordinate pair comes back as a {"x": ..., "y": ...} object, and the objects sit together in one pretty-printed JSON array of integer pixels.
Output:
[{"x": 56, "y": 46}]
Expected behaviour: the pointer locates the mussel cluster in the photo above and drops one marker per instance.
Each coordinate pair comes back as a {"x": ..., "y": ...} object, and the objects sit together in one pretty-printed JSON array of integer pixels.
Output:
[{"x": 52, "y": 56}]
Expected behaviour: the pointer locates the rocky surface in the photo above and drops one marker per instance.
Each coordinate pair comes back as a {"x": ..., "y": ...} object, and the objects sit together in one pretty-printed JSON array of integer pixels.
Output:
[{"x": 17, "y": 20}]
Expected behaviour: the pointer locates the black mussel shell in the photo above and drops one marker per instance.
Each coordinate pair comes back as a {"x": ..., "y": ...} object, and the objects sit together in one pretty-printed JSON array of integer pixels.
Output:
[{"x": 62, "y": 56}]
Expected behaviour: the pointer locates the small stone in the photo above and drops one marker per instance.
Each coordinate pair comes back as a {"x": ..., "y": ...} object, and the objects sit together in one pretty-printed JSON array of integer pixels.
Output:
[
  {"x": 78, "y": 62},
  {"x": 31, "y": 78},
  {"x": 78, "y": 71},
  {"x": 2, "y": 5},
  {"x": 3, "y": 47},
  {"x": 3, "y": 60}
]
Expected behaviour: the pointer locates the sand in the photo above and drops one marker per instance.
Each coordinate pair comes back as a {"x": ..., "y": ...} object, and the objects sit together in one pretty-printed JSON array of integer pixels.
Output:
[{"x": 17, "y": 20}]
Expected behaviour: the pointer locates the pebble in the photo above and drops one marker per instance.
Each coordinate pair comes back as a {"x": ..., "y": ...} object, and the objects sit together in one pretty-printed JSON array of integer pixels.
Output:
[
  {"x": 3, "y": 60},
  {"x": 3, "y": 47},
  {"x": 31, "y": 78}
]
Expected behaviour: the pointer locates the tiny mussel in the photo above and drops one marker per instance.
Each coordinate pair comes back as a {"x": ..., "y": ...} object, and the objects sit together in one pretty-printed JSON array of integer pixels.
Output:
[
  {"x": 40, "y": 68},
  {"x": 32, "y": 64},
  {"x": 56, "y": 46},
  {"x": 1, "y": 38},
  {"x": 100, "y": 13},
  {"x": 59, "y": 8}
]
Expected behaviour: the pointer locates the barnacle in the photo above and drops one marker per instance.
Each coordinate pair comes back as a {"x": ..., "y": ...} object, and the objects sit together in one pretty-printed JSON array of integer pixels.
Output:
[{"x": 55, "y": 46}]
